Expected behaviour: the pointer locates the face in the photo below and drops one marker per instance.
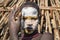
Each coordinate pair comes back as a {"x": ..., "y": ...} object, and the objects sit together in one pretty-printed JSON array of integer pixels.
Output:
[{"x": 29, "y": 19}]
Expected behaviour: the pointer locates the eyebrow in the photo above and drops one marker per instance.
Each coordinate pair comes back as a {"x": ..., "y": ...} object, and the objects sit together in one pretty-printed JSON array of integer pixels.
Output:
[{"x": 30, "y": 17}]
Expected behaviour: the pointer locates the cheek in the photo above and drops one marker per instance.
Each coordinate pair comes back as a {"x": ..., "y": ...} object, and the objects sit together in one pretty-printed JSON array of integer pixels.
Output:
[
  {"x": 25, "y": 23},
  {"x": 35, "y": 24}
]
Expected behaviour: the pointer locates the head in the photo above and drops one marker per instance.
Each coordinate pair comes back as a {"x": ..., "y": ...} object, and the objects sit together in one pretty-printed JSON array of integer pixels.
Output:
[{"x": 30, "y": 17}]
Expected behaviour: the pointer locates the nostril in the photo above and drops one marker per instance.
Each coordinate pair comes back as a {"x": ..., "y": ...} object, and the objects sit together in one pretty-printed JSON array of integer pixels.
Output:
[{"x": 29, "y": 24}]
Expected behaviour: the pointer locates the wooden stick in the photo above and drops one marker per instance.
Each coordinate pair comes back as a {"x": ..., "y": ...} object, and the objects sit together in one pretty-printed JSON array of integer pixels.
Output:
[
  {"x": 3, "y": 17},
  {"x": 41, "y": 4},
  {"x": 57, "y": 3},
  {"x": 58, "y": 18},
  {"x": 46, "y": 30},
  {"x": 41, "y": 7},
  {"x": 56, "y": 32},
  {"x": 12, "y": 3},
  {"x": 2, "y": 32},
  {"x": 42, "y": 19},
  {"x": 39, "y": 29},
  {"x": 6, "y": 2},
  {"x": 47, "y": 17},
  {"x": 53, "y": 3}
]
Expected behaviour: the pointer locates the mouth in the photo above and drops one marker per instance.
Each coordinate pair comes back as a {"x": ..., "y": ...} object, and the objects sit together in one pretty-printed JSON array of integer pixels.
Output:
[{"x": 28, "y": 31}]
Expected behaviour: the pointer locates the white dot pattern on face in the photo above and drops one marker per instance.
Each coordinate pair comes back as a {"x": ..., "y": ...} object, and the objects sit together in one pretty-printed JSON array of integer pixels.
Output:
[{"x": 29, "y": 11}]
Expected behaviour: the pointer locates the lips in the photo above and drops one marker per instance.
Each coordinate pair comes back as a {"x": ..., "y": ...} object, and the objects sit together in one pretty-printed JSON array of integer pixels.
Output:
[
  {"x": 29, "y": 28},
  {"x": 28, "y": 31}
]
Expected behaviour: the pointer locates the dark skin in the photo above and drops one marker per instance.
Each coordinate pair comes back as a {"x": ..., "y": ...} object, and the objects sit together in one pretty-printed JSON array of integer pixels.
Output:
[{"x": 14, "y": 25}]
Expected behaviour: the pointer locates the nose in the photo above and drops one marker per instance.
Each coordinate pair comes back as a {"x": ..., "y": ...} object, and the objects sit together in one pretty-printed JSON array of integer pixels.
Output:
[{"x": 29, "y": 24}]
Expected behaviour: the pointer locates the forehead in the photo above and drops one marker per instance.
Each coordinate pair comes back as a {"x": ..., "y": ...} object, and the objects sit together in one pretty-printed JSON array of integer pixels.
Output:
[{"x": 29, "y": 11}]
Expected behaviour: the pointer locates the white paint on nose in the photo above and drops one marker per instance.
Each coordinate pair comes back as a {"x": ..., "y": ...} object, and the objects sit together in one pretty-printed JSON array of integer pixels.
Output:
[{"x": 28, "y": 21}]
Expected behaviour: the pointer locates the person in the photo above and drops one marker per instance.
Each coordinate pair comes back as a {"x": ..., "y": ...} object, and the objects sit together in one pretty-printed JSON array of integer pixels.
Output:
[{"x": 30, "y": 15}]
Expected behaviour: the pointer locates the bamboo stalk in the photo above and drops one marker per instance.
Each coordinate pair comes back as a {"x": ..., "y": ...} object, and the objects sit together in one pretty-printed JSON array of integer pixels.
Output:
[
  {"x": 2, "y": 32},
  {"x": 41, "y": 4},
  {"x": 3, "y": 17},
  {"x": 46, "y": 28},
  {"x": 58, "y": 18},
  {"x": 42, "y": 19},
  {"x": 6, "y": 2},
  {"x": 56, "y": 31},
  {"x": 8, "y": 9},
  {"x": 56, "y": 34},
  {"x": 53, "y": 3},
  {"x": 57, "y": 3},
  {"x": 39, "y": 29},
  {"x": 47, "y": 17}
]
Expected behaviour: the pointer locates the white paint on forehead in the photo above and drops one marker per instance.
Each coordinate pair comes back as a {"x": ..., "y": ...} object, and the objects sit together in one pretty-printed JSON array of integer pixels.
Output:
[{"x": 29, "y": 11}]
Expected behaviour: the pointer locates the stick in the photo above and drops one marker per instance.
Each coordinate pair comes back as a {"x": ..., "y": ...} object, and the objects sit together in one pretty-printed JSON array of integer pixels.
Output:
[
  {"x": 6, "y": 2},
  {"x": 46, "y": 30},
  {"x": 39, "y": 29},
  {"x": 48, "y": 18},
  {"x": 53, "y": 3},
  {"x": 56, "y": 32},
  {"x": 58, "y": 18},
  {"x": 41, "y": 4}
]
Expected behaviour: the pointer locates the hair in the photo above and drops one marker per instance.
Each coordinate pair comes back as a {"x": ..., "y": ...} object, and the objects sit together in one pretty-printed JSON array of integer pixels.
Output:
[{"x": 29, "y": 4}]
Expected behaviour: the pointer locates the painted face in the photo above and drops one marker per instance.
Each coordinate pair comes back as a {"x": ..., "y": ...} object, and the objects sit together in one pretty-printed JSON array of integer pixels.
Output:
[{"x": 29, "y": 19}]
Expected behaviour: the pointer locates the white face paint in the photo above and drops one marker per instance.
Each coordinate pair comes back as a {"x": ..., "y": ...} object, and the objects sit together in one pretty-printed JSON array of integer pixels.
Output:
[
  {"x": 29, "y": 11},
  {"x": 30, "y": 18}
]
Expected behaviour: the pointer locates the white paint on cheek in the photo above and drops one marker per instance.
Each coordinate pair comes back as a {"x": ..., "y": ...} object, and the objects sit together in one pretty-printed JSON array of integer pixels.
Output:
[
  {"x": 35, "y": 24},
  {"x": 25, "y": 23}
]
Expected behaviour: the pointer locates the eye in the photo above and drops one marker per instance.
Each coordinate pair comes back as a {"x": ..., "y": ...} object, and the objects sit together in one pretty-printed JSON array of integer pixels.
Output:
[
  {"x": 24, "y": 18},
  {"x": 33, "y": 18}
]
